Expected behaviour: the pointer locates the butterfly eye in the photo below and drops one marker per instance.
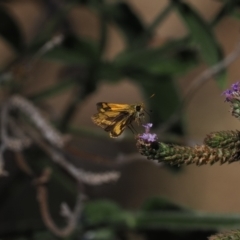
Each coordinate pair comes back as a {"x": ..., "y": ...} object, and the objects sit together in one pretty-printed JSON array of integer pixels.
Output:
[{"x": 138, "y": 108}]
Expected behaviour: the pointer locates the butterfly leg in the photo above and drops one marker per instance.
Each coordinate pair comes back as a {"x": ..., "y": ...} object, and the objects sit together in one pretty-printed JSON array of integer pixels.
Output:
[{"x": 133, "y": 130}]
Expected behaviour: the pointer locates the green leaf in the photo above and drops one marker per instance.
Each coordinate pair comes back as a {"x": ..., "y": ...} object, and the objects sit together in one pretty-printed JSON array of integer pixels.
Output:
[
  {"x": 9, "y": 30},
  {"x": 165, "y": 101},
  {"x": 173, "y": 64},
  {"x": 126, "y": 19},
  {"x": 96, "y": 212},
  {"x": 144, "y": 55},
  {"x": 149, "y": 32},
  {"x": 173, "y": 59},
  {"x": 74, "y": 51},
  {"x": 161, "y": 204},
  {"x": 202, "y": 34},
  {"x": 166, "y": 98},
  {"x": 187, "y": 221},
  {"x": 107, "y": 213},
  {"x": 236, "y": 14},
  {"x": 46, "y": 235},
  {"x": 54, "y": 90},
  {"x": 110, "y": 72},
  {"x": 227, "y": 9},
  {"x": 99, "y": 234}
]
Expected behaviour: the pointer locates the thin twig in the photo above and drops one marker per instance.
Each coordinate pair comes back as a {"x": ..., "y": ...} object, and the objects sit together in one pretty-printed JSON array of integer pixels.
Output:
[
  {"x": 199, "y": 81},
  {"x": 24, "y": 131},
  {"x": 25, "y": 106},
  {"x": 72, "y": 216},
  {"x": 79, "y": 174},
  {"x": 19, "y": 141},
  {"x": 22, "y": 164}
]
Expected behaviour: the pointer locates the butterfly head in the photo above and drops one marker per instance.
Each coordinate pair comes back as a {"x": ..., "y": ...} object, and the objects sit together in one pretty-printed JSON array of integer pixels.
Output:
[{"x": 139, "y": 113}]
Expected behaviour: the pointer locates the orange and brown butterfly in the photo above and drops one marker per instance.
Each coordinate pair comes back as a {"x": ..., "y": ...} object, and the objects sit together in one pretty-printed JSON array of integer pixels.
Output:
[{"x": 115, "y": 117}]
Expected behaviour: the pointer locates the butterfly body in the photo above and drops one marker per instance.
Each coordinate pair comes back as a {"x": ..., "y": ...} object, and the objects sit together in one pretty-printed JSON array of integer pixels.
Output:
[{"x": 115, "y": 117}]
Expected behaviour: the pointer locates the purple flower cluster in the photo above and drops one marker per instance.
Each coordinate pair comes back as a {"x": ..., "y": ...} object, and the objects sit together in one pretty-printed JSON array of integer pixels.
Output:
[
  {"x": 147, "y": 136},
  {"x": 233, "y": 92}
]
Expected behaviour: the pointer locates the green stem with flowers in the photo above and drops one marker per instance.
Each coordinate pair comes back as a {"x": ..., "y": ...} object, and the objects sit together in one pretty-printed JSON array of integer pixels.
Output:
[{"x": 222, "y": 146}]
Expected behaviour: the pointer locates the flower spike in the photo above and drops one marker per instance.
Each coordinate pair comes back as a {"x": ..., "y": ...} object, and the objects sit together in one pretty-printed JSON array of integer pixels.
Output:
[
  {"x": 233, "y": 92},
  {"x": 232, "y": 96}
]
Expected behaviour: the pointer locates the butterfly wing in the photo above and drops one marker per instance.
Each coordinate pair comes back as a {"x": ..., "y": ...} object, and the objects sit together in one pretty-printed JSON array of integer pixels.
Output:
[
  {"x": 113, "y": 122},
  {"x": 120, "y": 123},
  {"x": 105, "y": 107},
  {"x": 105, "y": 119}
]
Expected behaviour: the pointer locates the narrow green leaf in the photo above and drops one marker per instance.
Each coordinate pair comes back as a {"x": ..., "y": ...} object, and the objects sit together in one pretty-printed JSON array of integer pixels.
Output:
[
  {"x": 235, "y": 13},
  {"x": 227, "y": 9},
  {"x": 166, "y": 98},
  {"x": 165, "y": 101},
  {"x": 54, "y": 90},
  {"x": 173, "y": 64},
  {"x": 126, "y": 19},
  {"x": 202, "y": 34},
  {"x": 98, "y": 234},
  {"x": 171, "y": 59},
  {"x": 187, "y": 221},
  {"x": 161, "y": 204},
  {"x": 146, "y": 36},
  {"x": 9, "y": 30},
  {"x": 103, "y": 212},
  {"x": 142, "y": 56},
  {"x": 110, "y": 72},
  {"x": 74, "y": 51},
  {"x": 96, "y": 213}
]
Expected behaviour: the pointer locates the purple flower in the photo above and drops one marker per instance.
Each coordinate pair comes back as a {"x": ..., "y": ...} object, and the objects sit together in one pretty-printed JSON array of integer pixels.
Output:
[
  {"x": 147, "y": 127},
  {"x": 233, "y": 92},
  {"x": 147, "y": 136},
  {"x": 235, "y": 86}
]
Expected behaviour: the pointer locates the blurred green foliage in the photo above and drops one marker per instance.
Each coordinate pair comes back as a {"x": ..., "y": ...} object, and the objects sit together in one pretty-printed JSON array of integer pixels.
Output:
[{"x": 147, "y": 66}]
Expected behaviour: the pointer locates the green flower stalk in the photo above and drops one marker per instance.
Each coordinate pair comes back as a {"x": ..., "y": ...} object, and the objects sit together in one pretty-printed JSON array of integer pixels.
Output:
[
  {"x": 232, "y": 96},
  {"x": 222, "y": 147},
  {"x": 178, "y": 155},
  {"x": 223, "y": 139},
  {"x": 230, "y": 235}
]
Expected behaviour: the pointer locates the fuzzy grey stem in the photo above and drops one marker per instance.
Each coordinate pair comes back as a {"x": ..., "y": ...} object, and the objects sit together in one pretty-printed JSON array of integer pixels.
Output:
[{"x": 49, "y": 133}]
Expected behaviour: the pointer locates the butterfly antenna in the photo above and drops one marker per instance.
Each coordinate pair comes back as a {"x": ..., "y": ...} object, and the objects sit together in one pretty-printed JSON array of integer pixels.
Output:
[{"x": 148, "y": 113}]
